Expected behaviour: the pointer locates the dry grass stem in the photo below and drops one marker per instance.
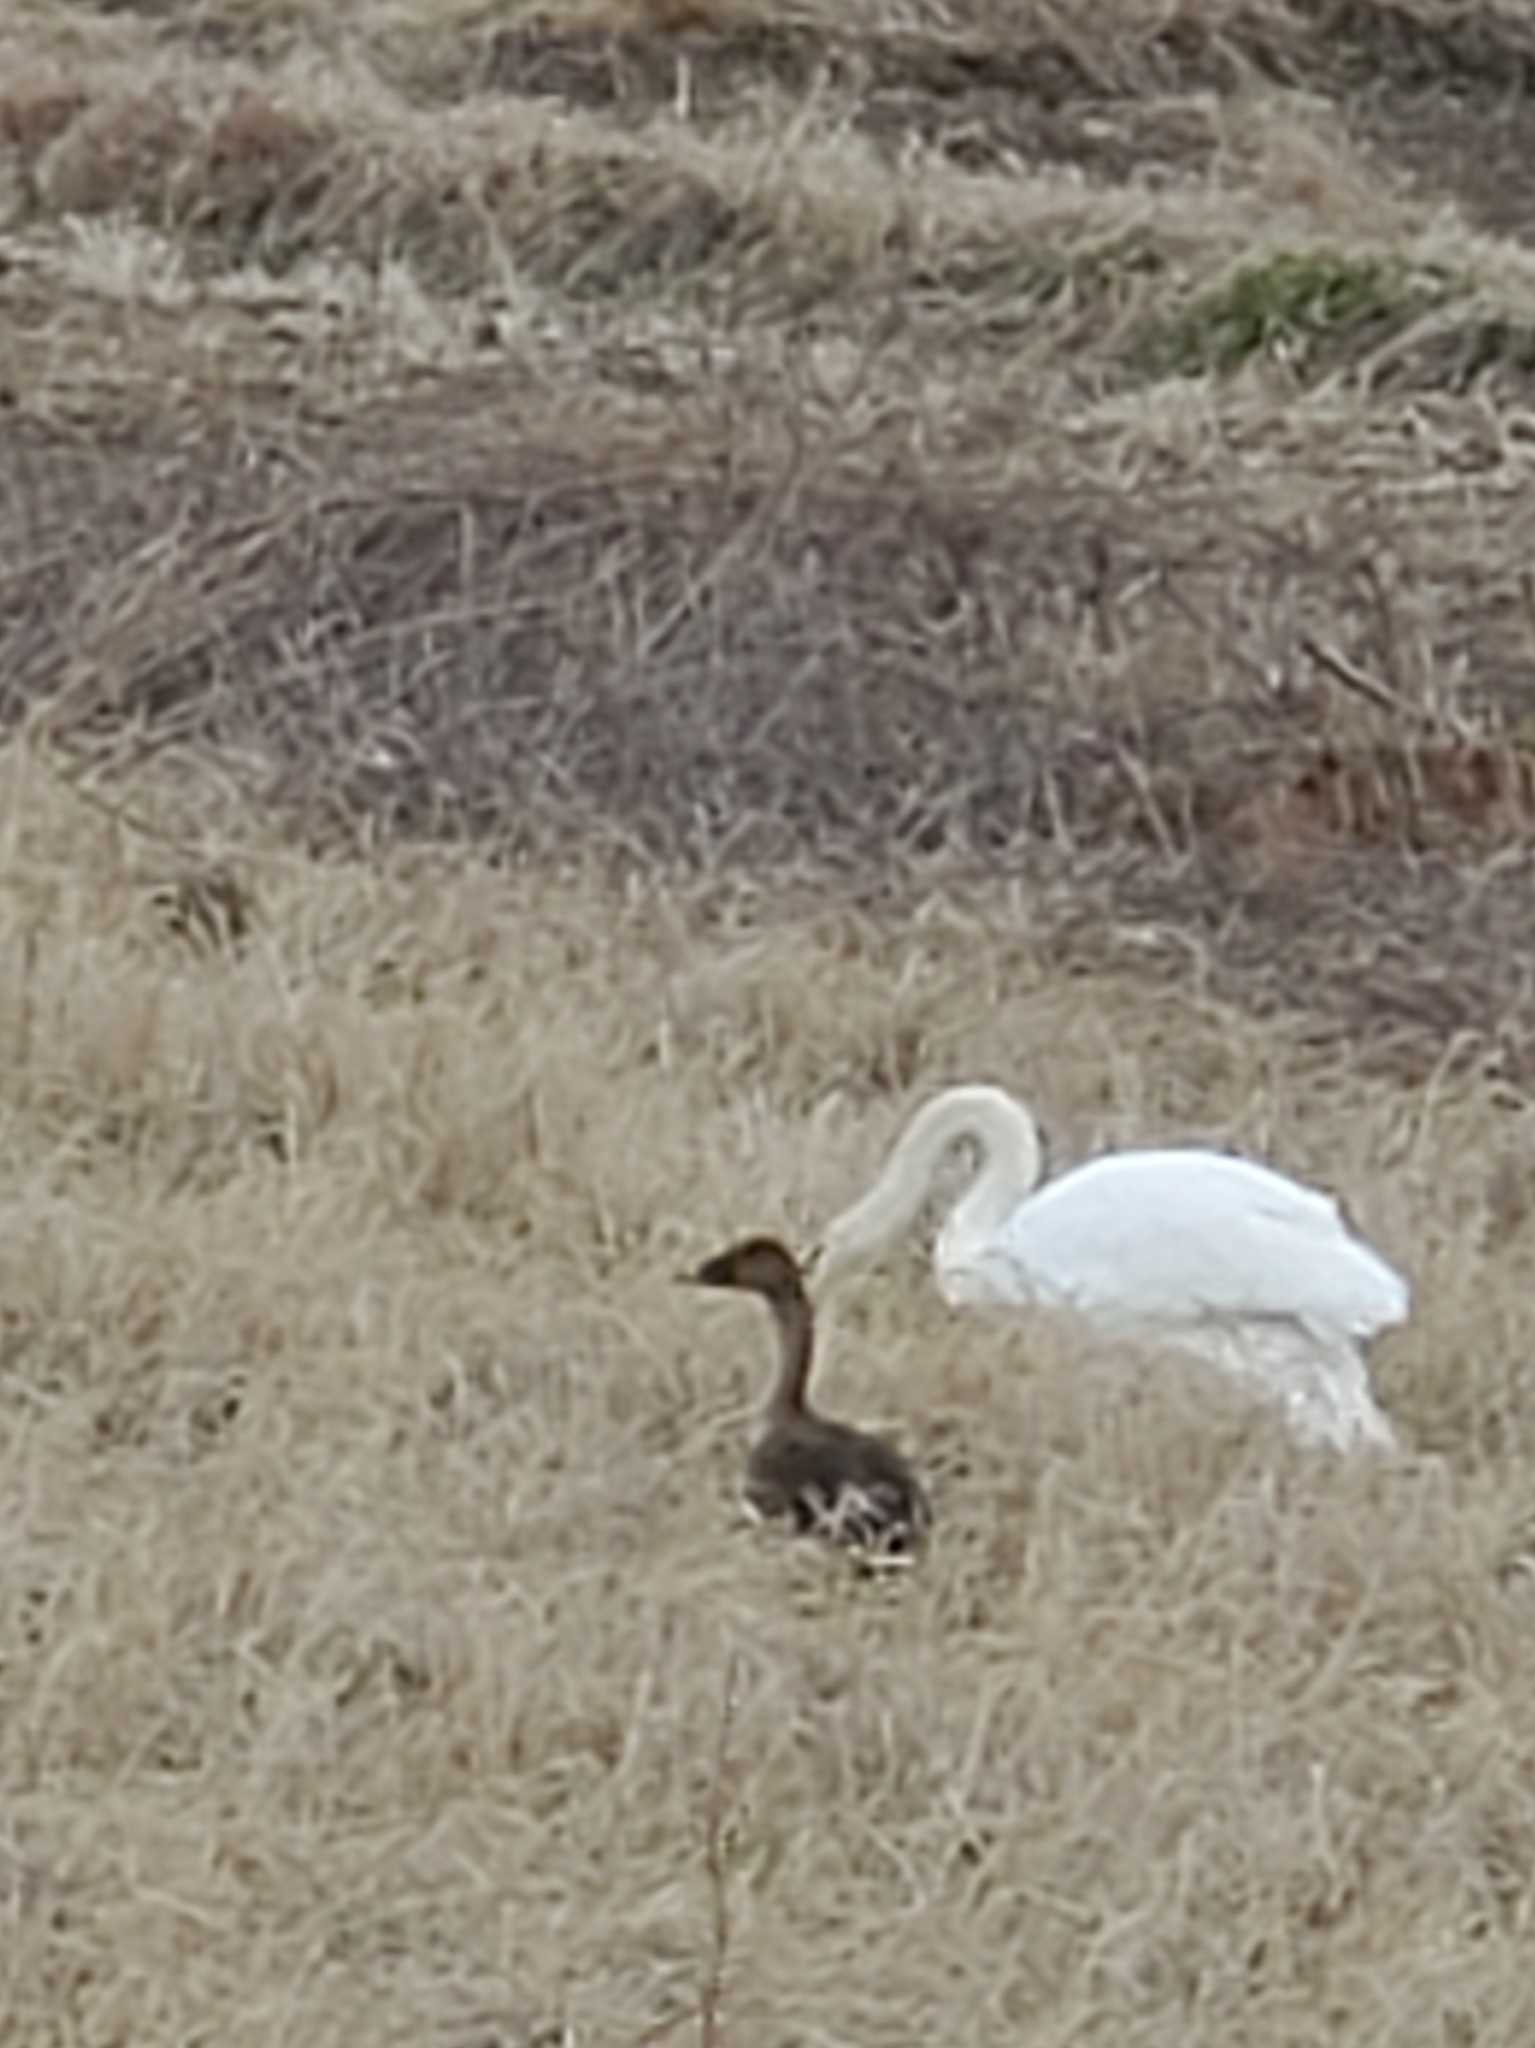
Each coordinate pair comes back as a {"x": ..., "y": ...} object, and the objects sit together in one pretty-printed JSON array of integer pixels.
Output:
[{"x": 712, "y": 1995}]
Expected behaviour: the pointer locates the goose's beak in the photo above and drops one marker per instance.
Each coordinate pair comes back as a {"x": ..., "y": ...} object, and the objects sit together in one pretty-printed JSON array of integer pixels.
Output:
[{"x": 812, "y": 1260}]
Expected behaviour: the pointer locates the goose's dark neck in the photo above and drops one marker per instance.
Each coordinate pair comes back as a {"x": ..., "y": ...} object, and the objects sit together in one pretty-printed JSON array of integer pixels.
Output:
[{"x": 795, "y": 1321}]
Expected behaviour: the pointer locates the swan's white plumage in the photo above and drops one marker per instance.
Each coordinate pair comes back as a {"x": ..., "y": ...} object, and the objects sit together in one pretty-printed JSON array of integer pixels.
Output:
[{"x": 1199, "y": 1249}]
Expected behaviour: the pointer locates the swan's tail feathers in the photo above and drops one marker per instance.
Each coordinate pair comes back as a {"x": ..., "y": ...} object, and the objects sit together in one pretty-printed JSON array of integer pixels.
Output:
[
  {"x": 1368, "y": 1295},
  {"x": 1349, "y": 1384},
  {"x": 1394, "y": 1299},
  {"x": 1343, "y": 1422},
  {"x": 1319, "y": 1379}
]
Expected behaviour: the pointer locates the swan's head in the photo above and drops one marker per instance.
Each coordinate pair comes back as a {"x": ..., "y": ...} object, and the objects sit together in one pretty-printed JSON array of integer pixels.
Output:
[
  {"x": 996, "y": 1126},
  {"x": 760, "y": 1265},
  {"x": 839, "y": 1249}
]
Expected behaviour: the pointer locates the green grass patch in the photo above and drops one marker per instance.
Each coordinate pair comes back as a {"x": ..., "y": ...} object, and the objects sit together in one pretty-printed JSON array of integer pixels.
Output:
[{"x": 1305, "y": 308}]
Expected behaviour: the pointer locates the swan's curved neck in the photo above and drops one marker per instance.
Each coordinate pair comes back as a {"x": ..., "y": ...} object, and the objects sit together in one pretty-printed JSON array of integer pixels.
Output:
[
  {"x": 1010, "y": 1162},
  {"x": 794, "y": 1320}
]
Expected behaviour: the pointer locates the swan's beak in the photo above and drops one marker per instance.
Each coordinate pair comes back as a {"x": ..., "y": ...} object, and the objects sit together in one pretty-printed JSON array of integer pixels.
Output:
[{"x": 812, "y": 1260}]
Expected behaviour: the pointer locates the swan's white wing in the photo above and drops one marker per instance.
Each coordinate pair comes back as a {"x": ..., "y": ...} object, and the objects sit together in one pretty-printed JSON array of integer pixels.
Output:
[{"x": 1178, "y": 1235}]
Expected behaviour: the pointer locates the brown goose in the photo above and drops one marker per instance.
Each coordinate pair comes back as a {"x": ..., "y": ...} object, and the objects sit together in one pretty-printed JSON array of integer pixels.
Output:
[{"x": 824, "y": 1476}]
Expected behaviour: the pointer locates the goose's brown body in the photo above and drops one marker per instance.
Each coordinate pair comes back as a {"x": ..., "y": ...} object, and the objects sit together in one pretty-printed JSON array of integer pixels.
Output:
[{"x": 820, "y": 1475}]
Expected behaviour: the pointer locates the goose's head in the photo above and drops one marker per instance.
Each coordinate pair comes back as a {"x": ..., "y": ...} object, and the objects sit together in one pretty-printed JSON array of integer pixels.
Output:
[{"x": 760, "y": 1265}]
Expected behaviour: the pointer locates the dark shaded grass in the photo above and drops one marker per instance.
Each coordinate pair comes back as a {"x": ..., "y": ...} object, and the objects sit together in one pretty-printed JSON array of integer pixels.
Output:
[{"x": 838, "y": 663}]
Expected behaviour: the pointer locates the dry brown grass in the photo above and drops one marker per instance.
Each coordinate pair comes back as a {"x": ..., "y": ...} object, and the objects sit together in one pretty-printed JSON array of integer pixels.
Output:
[
  {"x": 373, "y": 1584},
  {"x": 593, "y": 599},
  {"x": 1097, "y": 450}
]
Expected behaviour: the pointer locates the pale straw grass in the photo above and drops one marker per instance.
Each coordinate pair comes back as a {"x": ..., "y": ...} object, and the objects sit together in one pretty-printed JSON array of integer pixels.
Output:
[{"x": 374, "y": 1581}]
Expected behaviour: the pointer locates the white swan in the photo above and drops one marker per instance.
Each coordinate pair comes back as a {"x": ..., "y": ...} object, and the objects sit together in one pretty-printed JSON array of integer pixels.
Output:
[{"x": 1193, "y": 1248}]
